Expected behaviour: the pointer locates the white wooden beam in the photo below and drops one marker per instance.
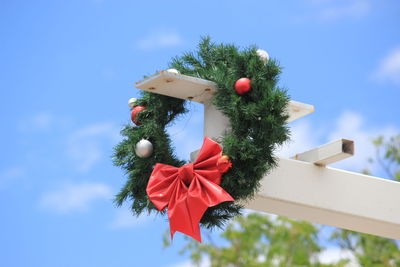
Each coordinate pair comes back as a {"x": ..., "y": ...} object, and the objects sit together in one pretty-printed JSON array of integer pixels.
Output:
[
  {"x": 296, "y": 110},
  {"x": 330, "y": 196},
  {"x": 178, "y": 86},
  {"x": 201, "y": 91},
  {"x": 328, "y": 153}
]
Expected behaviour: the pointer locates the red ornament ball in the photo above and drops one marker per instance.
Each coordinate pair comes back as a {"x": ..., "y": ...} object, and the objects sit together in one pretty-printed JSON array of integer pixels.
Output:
[
  {"x": 224, "y": 164},
  {"x": 135, "y": 112},
  {"x": 242, "y": 86}
]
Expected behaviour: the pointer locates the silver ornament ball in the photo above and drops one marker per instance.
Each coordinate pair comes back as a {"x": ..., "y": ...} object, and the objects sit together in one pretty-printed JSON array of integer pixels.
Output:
[
  {"x": 144, "y": 148},
  {"x": 263, "y": 55},
  {"x": 173, "y": 71},
  {"x": 131, "y": 102}
]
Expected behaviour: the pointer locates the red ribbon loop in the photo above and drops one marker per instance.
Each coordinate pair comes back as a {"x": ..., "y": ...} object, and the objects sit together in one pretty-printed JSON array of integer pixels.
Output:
[{"x": 189, "y": 190}]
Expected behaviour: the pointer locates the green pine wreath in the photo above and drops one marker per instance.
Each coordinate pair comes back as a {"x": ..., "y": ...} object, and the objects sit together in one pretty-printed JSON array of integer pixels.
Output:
[{"x": 258, "y": 126}]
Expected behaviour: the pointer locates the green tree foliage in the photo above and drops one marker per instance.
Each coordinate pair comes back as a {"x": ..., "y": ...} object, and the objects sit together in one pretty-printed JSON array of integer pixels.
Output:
[
  {"x": 257, "y": 240},
  {"x": 262, "y": 240},
  {"x": 369, "y": 250},
  {"x": 388, "y": 155}
]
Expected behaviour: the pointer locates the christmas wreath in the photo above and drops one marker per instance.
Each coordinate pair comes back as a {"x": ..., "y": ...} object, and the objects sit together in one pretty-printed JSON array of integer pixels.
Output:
[{"x": 249, "y": 96}]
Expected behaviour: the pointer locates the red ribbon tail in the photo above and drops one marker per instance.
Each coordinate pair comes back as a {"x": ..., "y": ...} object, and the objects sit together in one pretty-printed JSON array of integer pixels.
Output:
[{"x": 181, "y": 221}]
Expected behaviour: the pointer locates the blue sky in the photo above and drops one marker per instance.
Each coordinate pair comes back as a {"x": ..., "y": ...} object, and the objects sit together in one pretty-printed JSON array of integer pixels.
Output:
[{"x": 66, "y": 73}]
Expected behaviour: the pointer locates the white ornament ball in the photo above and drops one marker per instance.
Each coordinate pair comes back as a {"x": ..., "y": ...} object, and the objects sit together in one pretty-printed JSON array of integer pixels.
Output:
[
  {"x": 263, "y": 55},
  {"x": 144, "y": 148},
  {"x": 131, "y": 102},
  {"x": 173, "y": 71}
]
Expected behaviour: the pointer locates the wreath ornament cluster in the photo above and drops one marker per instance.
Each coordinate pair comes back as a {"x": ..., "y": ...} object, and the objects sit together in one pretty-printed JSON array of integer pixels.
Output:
[{"x": 256, "y": 113}]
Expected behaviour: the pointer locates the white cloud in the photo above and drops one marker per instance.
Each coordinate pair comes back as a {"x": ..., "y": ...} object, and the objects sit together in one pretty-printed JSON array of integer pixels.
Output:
[
  {"x": 334, "y": 254},
  {"x": 9, "y": 175},
  {"x": 348, "y": 125},
  {"x": 85, "y": 146},
  {"x": 100, "y": 129},
  {"x": 39, "y": 122},
  {"x": 75, "y": 197},
  {"x": 351, "y": 126},
  {"x": 333, "y": 10},
  {"x": 159, "y": 39},
  {"x": 352, "y": 9},
  {"x": 204, "y": 263},
  {"x": 187, "y": 263},
  {"x": 389, "y": 68},
  {"x": 109, "y": 74},
  {"x": 303, "y": 138},
  {"x": 42, "y": 121},
  {"x": 125, "y": 219}
]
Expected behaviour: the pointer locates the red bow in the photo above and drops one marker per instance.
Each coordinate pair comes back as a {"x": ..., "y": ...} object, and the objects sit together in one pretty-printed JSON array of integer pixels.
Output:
[{"x": 189, "y": 190}]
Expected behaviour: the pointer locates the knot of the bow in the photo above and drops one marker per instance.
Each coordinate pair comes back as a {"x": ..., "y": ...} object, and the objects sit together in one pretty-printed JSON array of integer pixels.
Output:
[{"x": 186, "y": 173}]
